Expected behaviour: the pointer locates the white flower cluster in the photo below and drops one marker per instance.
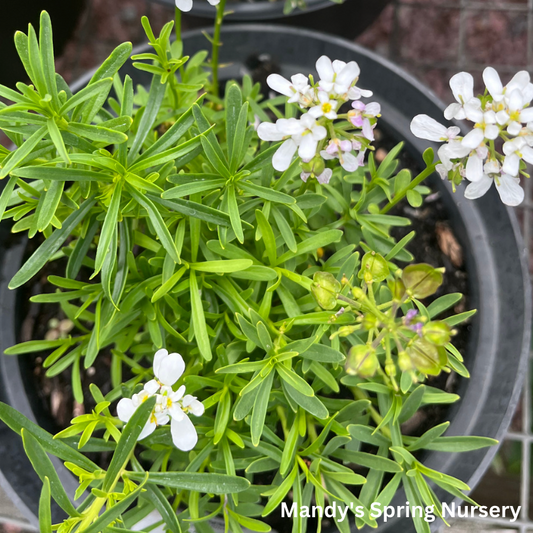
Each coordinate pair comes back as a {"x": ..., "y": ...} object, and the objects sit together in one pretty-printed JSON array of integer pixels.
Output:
[
  {"x": 173, "y": 406},
  {"x": 186, "y": 5},
  {"x": 315, "y": 135},
  {"x": 501, "y": 115}
]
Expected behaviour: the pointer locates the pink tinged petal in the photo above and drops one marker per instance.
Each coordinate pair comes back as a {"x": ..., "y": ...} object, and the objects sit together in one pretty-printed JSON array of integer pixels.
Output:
[
  {"x": 346, "y": 146},
  {"x": 359, "y": 106},
  {"x": 518, "y": 81},
  {"x": 307, "y": 149},
  {"x": 125, "y": 409},
  {"x": 456, "y": 111},
  {"x": 349, "y": 162},
  {"x": 526, "y": 115},
  {"x": 356, "y": 121},
  {"x": 332, "y": 148},
  {"x": 348, "y": 74},
  {"x": 283, "y": 156},
  {"x": 478, "y": 188},
  {"x": 325, "y": 69},
  {"x": 527, "y": 154},
  {"x": 462, "y": 86},
  {"x": 327, "y": 156},
  {"x": 373, "y": 108},
  {"x": 184, "y": 434},
  {"x": 511, "y": 164},
  {"x": 269, "y": 132},
  {"x": 492, "y": 131},
  {"x": 473, "y": 139},
  {"x": 170, "y": 369},
  {"x": 425, "y": 127},
  {"x": 474, "y": 168},
  {"x": 368, "y": 131},
  {"x": 452, "y": 132},
  {"x": 493, "y": 83},
  {"x": 184, "y": 5},
  {"x": 280, "y": 84},
  {"x": 148, "y": 429},
  {"x": 325, "y": 176},
  {"x": 514, "y": 128},
  {"x": 152, "y": 387},
  {"x": 510, "y": 191},
  {"x": 305, "y": 176}
]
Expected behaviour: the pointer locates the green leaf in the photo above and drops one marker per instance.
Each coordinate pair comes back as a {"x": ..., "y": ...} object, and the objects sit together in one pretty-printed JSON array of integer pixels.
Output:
[
  {"x": 209, "y": 483},
  {"x": 412, "y": 404},
  {"x": 312, "y": 244},
  {"x": 46, "y": 471},
  {"x": 222, "y": 267},
  {"x": 108, "y": 228},
  {"x": 97, "y": 133},
  {"x": 369, "y": 460},
  {"x": 57, "y": 139},
  {"x": 260, "y": 408},
  {"x": 266, "y": 193},
  {"x": 429, "y": 436},
  {"x": 198, "y": 318},
  {"x": 443, "y": 303},
  {"x": 61, "y": 174},
  {"x": 460, "y": 444},
  {"x": 49, "y": 247},
  {"x": 92, "y": 90},
  {"x": 48, "y": 204},
  {"x": 45, "y": 512},
  {"x": 233, "y": 211},
  {"x": 47, "y": 55},
  {"x": 461, "y": 317},
  {"x": 267, "y": 235},
  {"x": 294, "y": 380},
  {"x": 280, "y": 492},
  {"x": 310, "y": 403},
  {"x": 127, "y": 443},
  {"x": 16, "y": 157},
  {"x": 157, "y": 221}
]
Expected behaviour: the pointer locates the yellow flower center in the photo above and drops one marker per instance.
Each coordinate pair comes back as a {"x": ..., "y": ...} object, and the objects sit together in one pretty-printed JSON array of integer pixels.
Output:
[{"x": 326, "y": 107}]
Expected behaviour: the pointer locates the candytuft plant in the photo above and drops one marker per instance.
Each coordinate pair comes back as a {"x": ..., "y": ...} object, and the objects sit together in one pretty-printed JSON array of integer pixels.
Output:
[{"x": 267, "y": 334}]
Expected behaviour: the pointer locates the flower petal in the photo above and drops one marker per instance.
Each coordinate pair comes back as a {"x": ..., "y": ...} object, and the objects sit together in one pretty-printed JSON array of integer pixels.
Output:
[
  {"x": 425, "y": 127},
  {"x": 511, "y": 164},
  {"x": 478, "y": 188},
  {"x": 348, "y": 74},
  {"x": 462, "y": 86},
  {"x": 280, "y": 84},
  {"x": 518, "y": 81},
  {"x": 325, "y": 68},
  {"x": 148, "y": 428},
  {"x": 526, "y": 115},
  {"x": 456, "y": 111},
  {"x": 325, "y": 176},
  {"x": 349, "y": 162},
  {"x": 473, "y": 139},
  {"x": 474, "y": 168},
  {"x": 152, "y": 387},
  {"x": 510, "y": 191},
  {"x": 527, "y": 154},
  {"x": 307, "y": 149},
  {"x": 283, "y": 156},
  {"x": 269, "y": 132},
  {"x": 493, "y": 83},
  {"x": 184, "y": 434},
  {"x": 125, "y": 409},
  {"x": 169, "y": 369}
]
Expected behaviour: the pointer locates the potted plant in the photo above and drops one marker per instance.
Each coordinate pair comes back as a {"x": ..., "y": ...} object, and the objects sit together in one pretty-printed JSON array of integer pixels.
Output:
[{"x": 231, "y": 298}]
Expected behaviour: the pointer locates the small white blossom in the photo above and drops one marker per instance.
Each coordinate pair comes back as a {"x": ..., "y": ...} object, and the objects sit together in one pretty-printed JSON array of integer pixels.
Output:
[
  {"x": 485, "y": 127},
  {"x": 514, "y": 151},
  {"x": 171, "y": 406},
  {"x": 298, "y": 89},
  {"x": 496, "y": 89},
  {"x": 425, "y": 127},
  {"x": 325, "y": 108},
  {"x": 342, "y": 150},
  {"x": 462, "y": 86},
  {"x": 336, "y": 77},
  {"x": 186, "y": 5}
]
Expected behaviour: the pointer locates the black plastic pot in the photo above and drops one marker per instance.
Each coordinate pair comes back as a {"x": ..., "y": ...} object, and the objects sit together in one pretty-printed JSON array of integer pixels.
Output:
[
  {"x": 487, "y": 230},
  {"x": 346, "y": 20}
]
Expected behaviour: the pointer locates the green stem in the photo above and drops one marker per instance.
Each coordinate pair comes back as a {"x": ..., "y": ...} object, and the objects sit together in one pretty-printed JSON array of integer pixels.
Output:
[
  {"x": 216, "y": 44},
  {"x": 417, "y": 181},
  {"x": 177, "y": 27}
]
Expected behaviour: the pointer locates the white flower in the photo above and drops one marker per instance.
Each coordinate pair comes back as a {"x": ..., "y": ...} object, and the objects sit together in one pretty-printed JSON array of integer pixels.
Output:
[
  {"x": 425, "y": 127},
  {"x": 322, "y": 178},
  {"x": 355, "y": 93},
  {"x": 186, "y": 5},
  {"x": 302, "y": 135},
  {"x": 462, "y": 85},
  {"x": 513, "y": 114},
  {"x": 519, "y": 81},
  {"x": 474, "y": 165},
  {"x": 171, "y": 406},
  {"x": 360, "y": 117},
  {"x": 168, "y": 368},
  {"x": 326, "y": 107},
  {"x": 514, "y": 151},
  {"x": 508, "y": 187},
  {"x": 298, "y": 89},
  {"x": 485, "y": 127},
  {"x": 336, "y": 77}
]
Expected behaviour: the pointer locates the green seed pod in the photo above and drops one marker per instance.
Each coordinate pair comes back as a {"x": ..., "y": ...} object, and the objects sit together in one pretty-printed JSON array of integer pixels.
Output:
[
  {"x": 397, "y": 289},
  {"x": 404, "y": 361},
  {"x": 358, "y": 293},
  {"x": 374, "y": 268},
  {"x": 325, "y": 289},
  {"x": 437, "y": 332},
  {"x": 362, "y": 361},
  {"x": 427, "y": 358},
  {"x": 422, "y": 280},
  {"x": 344, "y": 331}
]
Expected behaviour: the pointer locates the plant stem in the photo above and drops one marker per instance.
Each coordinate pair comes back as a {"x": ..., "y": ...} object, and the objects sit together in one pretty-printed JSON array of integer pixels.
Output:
[
  {"x": 417, "y": 181},
  {"x": 216, "y": 44},
  {"x": 177, "y": 27}
]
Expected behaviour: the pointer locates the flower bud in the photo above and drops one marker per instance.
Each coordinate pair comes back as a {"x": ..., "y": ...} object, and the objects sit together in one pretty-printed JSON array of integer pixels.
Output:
[
  {"x": 437, "y": 332},
  {"x": 422, "y": 280},
  {"x": 404, "y": 361},
  {"x": 390, "y": 369},
  {"x": 374, "y": 268},
  {"x": 426, "y": 357},
  {"x": 358, "y": 293},
  {"x": 325, "y": 289},
  {"x": 362, "y": 361},
  {"x": 344, "y": 331},
  {"x": 370, "y": 321}
]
